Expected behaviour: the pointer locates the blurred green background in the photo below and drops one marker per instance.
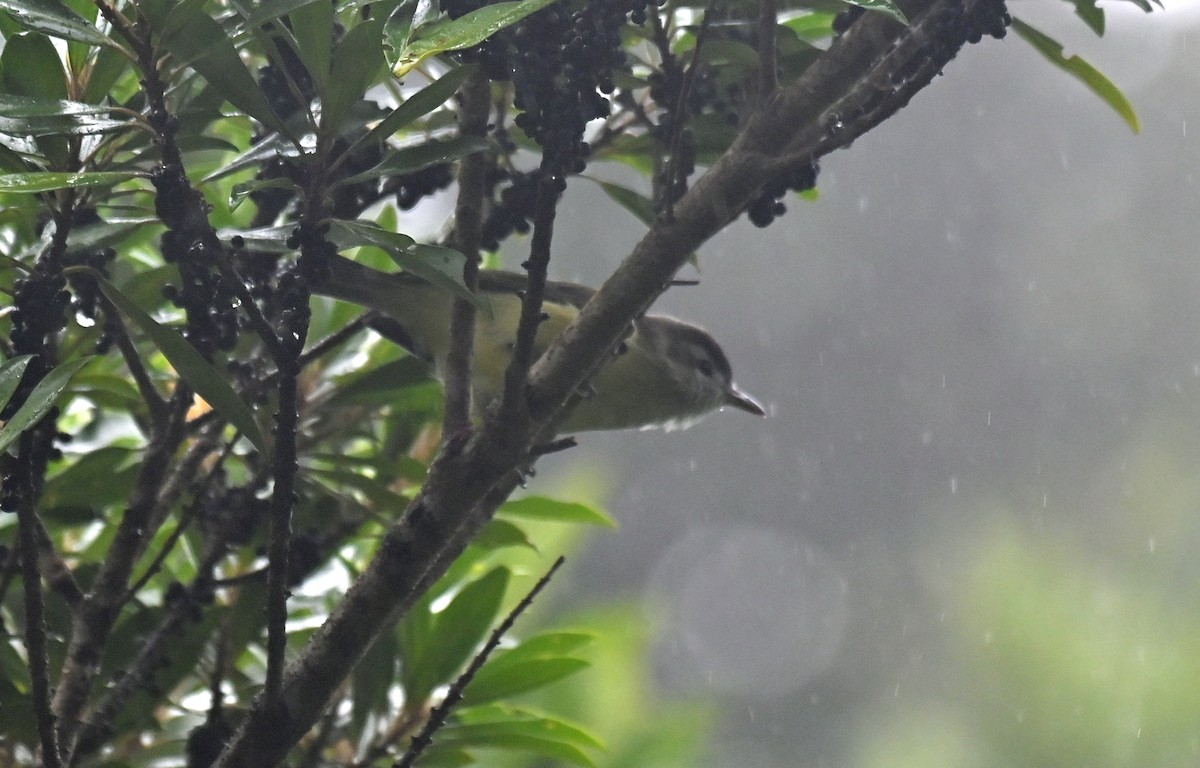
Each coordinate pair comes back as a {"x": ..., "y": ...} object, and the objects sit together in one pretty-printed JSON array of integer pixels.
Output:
[{"x": 967, "y": 534}]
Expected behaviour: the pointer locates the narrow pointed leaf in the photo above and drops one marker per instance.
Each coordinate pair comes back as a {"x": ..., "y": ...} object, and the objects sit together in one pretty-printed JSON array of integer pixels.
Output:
[
  {"x": 418, "y": 105},
  {"x": 1091, "y": 14},
  {"x": 312, "y": 26},
  {"x": 200, "y": 42},
  {"x": 10, "y": 376},
  {"x": 40, "y": 181},
  {"x": 54, "y": 19},
  {"x": 241, "y": 191},
  {"x": 502, "y": 682},
  {"x": 464, "y": 32},
  {"x": 1091, "y": 77},
  {"x": 457, "y": 631},
  {"x": 410, "y": 159},
  {"x": 441, "y": 267},
  {"x": 201, "y": 375},
  {"x": 542, "y": 508},
  {"x": 40, "y": 401},
  {"x": 634, "y": 202},
  {"x": 519, "y": 737},
  {"x": 259, "y": 13},
  {"x": 357, "y": 61}
]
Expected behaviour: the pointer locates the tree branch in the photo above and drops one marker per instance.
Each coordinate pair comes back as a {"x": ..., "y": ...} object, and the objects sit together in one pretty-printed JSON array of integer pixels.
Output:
[
  {"x": 468, "y": 232},
  {"x": 464, "y": 487}
]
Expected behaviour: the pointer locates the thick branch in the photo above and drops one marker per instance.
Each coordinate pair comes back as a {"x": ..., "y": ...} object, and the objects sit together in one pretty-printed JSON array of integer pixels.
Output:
[
  {"x": 464, "y": 488},
  {"x": 720, "y": 195}
]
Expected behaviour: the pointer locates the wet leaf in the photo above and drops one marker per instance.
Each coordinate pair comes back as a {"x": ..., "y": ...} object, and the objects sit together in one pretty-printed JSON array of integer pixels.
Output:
[{"x": 1091, "y": 77}]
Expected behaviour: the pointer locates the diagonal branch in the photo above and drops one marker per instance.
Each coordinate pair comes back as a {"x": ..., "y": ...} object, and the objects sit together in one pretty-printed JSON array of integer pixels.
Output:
[{"x": 464, "y": 487}]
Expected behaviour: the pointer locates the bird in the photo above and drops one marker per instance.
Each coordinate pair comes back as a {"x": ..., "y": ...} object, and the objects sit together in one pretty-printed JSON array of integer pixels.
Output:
[{"x": 665, "y": 373}]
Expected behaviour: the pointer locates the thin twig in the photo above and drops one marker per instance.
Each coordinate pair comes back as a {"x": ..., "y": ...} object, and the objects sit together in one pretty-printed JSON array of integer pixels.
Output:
[
  {"x": 58, "y": 575},
  {"x": 515, "y": 403},
  {"x": 35, "y": 615},
  {"x": 437, "y": 717},
  {"x": 115, "y": 327},
  {"x": 468, "y": 232},
  {"x": 674, "y": 171},
  {"x": 185, "y": 519},
  {"x": 258, "y": 321},
  {"x": 333, "y": 340}
]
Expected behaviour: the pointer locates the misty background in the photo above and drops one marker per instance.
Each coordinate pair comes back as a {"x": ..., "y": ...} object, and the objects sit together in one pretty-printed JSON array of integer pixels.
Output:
[{"x": 980, "y": 349}]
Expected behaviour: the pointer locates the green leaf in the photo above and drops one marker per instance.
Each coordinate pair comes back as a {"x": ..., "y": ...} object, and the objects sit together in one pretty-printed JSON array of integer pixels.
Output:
[
  {"x": 453, "y": 634},
  {"x": 198, "y": 41},
  {"x": 464, "y": 32},
  {"x": 33, "y": 67},
  {"x": 380, "y": 382},
  {"x": 268, "y": 239},
  {"x": 43, "y": 397},
  {"x": 62, "y": 124},
  {"x": 502, "y": 682},
  {"x": 812, "y": 26},
  {"x": 542, "y": 508},
  {"x": 435, "y": 756},
  {"x": 886, "y": 7},
  {"x": 1091, "y": 14},
  {"x": 441, "y": 267},
  {"x": 501, "y": 533},
  {"x": 104, "y": 234},
  {"x": 106, "y": 69},
  {"x": 631, "y": 200},
  {"x": 312, "y": 26},
  {"x": 545, "y": 737},
  {"x": 357, "y": 62},
  {"x": 201, "y": 375},
  {"x": 40, "y": 181},
  {"x": 416, "y": 106},
  {"x": 410, "y": 159},
  {"x": 259, "y": 13},
  {"x": 1081, "y": 70},
  {"x": 531, "y": 721},
  {"x": 398, "y": 28},
  {"x": 382, "y": 498},
  {"x": 241, "y": 191},
  {"x": 10, "y": 376},
  {"x": 373, "y": 677},
  {"x": 536, "y": 662},
  {"x": 271, "y": 148},
  {"x": 545, "y": 645},
  {"x": 99, "y": 477},
  {"x": 54, "y": 19}
]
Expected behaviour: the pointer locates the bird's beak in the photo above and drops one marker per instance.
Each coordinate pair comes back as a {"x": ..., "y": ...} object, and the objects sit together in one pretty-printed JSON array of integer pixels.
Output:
[{"x": 743, "y": 402}]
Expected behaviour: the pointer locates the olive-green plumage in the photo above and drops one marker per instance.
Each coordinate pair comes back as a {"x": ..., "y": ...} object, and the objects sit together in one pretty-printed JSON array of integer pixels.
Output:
[{"x": 667, "y": 372}]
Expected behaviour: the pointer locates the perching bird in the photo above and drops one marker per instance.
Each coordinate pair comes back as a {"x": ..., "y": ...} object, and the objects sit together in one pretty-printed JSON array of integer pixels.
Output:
[{"x": 666, "y": 373}]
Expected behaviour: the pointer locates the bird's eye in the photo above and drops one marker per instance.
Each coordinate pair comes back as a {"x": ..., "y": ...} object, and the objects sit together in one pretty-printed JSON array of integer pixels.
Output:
[{"x": 705, "y": 366}]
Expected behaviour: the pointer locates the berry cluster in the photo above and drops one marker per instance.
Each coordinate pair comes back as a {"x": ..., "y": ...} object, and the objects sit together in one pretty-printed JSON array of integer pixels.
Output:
[
  {"x": 212, "y": 321},
  {"x": 288, "y": 88},
  {"x": 990, "y": 19},
  {"x": 768, "y": 205},
  {"x": 40, "y": 304},
  {"x": 513, "y": 210},
  {"x": 846, "y": 17},
  {"x": 561, "y": 61},
  {"x": 349, "y": 200},
  {"x": 493, "y": 55},
  {"x": 412, "y": 188},
  {"x": 85, "y": 297}
]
